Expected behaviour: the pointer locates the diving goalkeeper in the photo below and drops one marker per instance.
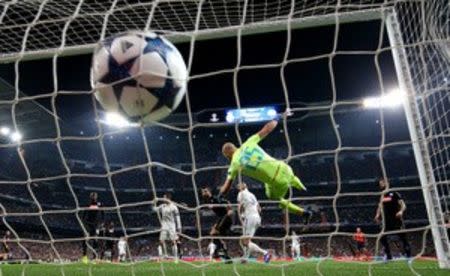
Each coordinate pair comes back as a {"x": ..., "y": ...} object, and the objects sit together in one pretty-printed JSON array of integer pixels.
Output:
[{"x": 252, "y": 161}]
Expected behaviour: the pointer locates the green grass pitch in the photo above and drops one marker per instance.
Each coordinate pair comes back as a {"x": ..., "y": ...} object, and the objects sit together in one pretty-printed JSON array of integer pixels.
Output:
[{"x": 397, "y": 268}]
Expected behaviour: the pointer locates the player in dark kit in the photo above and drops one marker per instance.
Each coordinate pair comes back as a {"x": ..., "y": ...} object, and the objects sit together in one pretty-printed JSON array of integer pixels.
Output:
[
  {"x": 92, "y": 219},
  {"x": 5, "y": 253},
  {"x": 391, "y": 210},
  {"x": 222, "y": 227}
]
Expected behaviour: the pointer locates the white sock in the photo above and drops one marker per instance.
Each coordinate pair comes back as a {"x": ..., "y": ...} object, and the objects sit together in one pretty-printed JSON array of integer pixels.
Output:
[
  {"x": 252, "y": 247},
  {"x": 175, "y": 251}
]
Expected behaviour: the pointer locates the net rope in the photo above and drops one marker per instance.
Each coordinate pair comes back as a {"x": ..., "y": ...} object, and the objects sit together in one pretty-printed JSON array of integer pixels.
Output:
[{"x": 42, "y": 25}]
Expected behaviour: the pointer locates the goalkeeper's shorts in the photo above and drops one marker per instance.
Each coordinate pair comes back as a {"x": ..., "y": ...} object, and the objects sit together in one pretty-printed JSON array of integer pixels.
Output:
[{"x": 279, "y": 185}]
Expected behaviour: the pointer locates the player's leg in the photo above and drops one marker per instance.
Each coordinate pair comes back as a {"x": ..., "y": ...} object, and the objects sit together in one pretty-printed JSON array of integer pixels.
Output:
[
  {"x": 287, "y": 173},
  {"x": 163, "y": 236},
  {"x": 91, "y": 232},
  {"x": 175, "y": 250},
  {"x": 297, "y": 252},
  {"x": 405, "y": 243},
  {"x": 278, "y": 188},
  {"x": 251, "y": 225},
  {"x": 160, "y": 252},
  {"x": 211, "y": 254},
  {"x": 222, "y": 228},
  {"x": 173, "y": 237},
  {"x": 387, "y": 249}
]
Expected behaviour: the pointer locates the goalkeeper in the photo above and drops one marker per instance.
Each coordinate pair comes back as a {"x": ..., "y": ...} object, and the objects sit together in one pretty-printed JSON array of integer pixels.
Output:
[{"x": 252, "y": 161}]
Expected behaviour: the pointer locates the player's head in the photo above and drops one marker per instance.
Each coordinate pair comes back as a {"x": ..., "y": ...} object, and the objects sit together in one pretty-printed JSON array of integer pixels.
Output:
[
  {"x": 293, "y": 233},
  {"x": 358, "y": 230},
  {"x": 382, "y": 183},
  {"x": 168, "y": 195},
  {"x": 241, "y": 186},
  {"x": 93, "y": 196},
  {"x": 206, "y": 193},
  {"x": 228, "y": 150}
]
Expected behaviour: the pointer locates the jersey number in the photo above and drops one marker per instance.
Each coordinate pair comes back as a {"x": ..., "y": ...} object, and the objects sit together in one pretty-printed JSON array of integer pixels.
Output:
[{"x": 251, "y": 158}]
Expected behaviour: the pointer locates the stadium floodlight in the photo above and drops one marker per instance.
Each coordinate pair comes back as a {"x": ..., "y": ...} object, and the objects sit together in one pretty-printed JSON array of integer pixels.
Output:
[
  {"x": 115, "y": 120},
  {"x": 5, "y": 130},
  {"x": 16, "y": 137},
  {"x": 390, "y": 100}
]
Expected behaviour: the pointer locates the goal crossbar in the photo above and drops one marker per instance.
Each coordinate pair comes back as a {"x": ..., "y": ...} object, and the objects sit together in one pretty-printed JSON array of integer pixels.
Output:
[{"x": 247, "y": 29}]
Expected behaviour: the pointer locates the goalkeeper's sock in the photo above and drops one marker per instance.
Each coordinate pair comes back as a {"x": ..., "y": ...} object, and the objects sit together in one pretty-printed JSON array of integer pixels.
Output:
[
  {"x": 292, "y": 208},
  {"x": 297, "y": 184}
]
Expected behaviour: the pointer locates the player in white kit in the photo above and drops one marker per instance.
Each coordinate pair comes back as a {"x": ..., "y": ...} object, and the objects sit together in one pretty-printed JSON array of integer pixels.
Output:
[
  {"x": 122, "y": 248},
  {"x": 249, "y": 213},
  {"x": 211, "y": 248},
  {"x": 295, "y": 247},
  {"x": 170, "y": 224}
]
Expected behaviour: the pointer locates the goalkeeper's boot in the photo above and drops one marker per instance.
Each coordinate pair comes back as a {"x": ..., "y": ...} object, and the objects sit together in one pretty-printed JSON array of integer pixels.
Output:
[{"x": 297, "y": 184}]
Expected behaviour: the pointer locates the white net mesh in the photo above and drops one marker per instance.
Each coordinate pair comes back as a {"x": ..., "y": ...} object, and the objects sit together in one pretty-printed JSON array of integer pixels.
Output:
[{"x": 338, "y": 148}]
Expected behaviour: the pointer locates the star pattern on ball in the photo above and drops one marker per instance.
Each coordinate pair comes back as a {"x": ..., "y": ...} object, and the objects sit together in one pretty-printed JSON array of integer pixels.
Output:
[
  {"x": 157, "y": 45},
  {"x": 165, "y": 94}
]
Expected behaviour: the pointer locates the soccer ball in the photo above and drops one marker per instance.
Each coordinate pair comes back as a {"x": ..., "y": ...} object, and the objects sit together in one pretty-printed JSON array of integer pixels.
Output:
[{"x": 140, "y": 75}]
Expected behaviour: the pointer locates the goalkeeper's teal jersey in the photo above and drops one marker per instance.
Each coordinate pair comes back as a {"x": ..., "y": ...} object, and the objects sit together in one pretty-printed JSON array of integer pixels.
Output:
[{"x": 252, "y": 161}]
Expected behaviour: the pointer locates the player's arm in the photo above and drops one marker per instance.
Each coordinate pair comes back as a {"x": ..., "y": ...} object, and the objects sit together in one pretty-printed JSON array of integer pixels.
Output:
[
  {"x": 156, "y": 208},
  {"x": 177, "y": 219},
  {"x": 378, "y": 214},
  {"x": 240, "y": 211},
  {"x": 267, "y": 129},
  {"x": 240, "y": 206},
  {"x": 259, "y": 208},
  {"x": 402, "y": 207},
  {"x": 226, "y": 186},
  {"x": 102, "y": 214}
]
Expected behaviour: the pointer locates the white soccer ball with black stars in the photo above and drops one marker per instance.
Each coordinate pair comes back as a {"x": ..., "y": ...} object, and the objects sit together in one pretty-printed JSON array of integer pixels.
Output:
[{"x": 140, "y": 75}]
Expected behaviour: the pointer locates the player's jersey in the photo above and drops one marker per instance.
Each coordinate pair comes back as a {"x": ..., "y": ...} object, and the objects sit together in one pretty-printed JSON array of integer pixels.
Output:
[
  {"x": 122, "y": 244},
  {"x": 391, "y": 206},
  {"x": 170, "y": 216},
  {"x": 5, "y": 240},
  {"x": 249, "y": 203},
  {"x": 220, "y": 211},
  {"x": 93, "y": 215},
  {"x": 295, "y": 241},
  {"x": 359, "y": 237},
  {"x": 252, "y": 161}
]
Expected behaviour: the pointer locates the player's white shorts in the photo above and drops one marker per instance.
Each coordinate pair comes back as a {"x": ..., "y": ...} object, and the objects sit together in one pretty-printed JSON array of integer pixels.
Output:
[
  {"x": 296, "y": 249},
  {"x": 250, "y": 226},
  {"x": 168, "y": 234},
  {"x": 122, "y": 251}
]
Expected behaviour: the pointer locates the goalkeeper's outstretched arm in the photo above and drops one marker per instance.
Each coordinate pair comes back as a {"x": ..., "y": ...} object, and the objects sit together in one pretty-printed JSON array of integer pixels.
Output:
[{"x": 266, "y": 130}]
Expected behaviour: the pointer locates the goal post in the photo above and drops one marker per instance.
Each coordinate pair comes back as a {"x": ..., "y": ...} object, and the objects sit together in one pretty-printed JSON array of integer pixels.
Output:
[{"x": 420, "y": 142}]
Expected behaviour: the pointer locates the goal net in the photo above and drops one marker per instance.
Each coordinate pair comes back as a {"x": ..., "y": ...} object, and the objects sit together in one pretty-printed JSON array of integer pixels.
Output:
[{"x": 367, "y": 84}]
